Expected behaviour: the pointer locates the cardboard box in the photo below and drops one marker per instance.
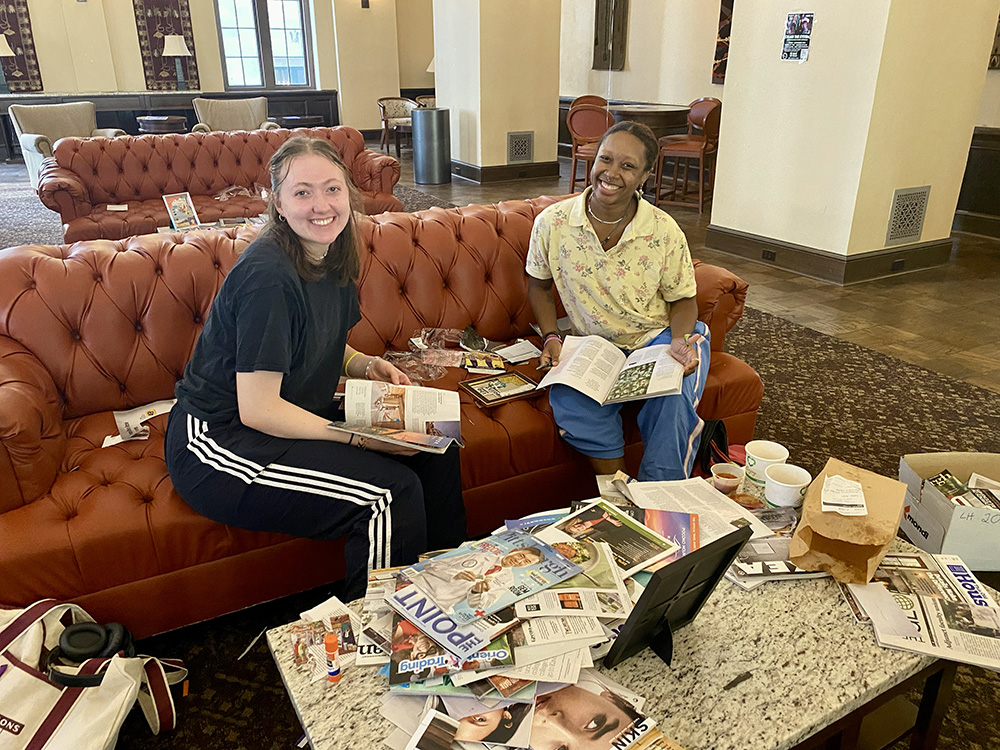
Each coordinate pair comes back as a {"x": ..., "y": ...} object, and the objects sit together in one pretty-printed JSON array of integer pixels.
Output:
[
  {"x": 849, "y": 548},
  {"x": 935, "y": 524}
]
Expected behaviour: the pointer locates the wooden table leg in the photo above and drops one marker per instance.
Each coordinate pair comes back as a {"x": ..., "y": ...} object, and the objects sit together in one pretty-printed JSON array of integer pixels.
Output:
[{"x": 933, "y": 707}]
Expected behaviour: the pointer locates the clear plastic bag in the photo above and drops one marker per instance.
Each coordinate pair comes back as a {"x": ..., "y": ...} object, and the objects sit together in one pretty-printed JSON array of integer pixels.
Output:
[
  {"x": 435, "y": 338},
  {"x": 412, "y": 363}
]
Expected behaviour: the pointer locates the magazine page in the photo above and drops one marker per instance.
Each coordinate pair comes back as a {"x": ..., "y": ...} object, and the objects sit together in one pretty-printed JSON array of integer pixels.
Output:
[
  {"x": 717, "y": 514},
  {"x": 487, "y": 575},
  {"x": 633, "y": 545},
  {"x": 955, "y": 616},
  {"x": 505, "y": 724},
  {"x": 587, "y": 363},
  {"x": 763, "y": 560},
  {"x": 376, "y": 618},
  {"x": 427, "y": 411},
  {"x": 647, "y": 372},
  {"x": 597, "y": 591},
  {"x": 418, "y": 608}
]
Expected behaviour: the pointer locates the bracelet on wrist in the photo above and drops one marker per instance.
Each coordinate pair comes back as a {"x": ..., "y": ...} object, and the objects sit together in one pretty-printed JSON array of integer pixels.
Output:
[
  {"x": 368, "y": 367},
  {"x": 549, "y": 337},
  {"x": 347, "y": 363}
]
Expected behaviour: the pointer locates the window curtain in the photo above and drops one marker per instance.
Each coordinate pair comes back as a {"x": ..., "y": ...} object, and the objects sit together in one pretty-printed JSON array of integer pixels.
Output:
[
  {"x": 155, "y": 19},
  {"x": 21, "y": 70},
  {"x": 722, "y": 44}
]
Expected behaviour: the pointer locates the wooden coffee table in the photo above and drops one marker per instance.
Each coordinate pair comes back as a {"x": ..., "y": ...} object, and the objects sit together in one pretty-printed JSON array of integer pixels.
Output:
[
  {"x": 162, "y": 124},
  {"x": 783, "y": 666}
]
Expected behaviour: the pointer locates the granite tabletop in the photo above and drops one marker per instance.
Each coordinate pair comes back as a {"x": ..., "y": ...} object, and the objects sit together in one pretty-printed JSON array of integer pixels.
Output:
[{"x": 809, "y": 664}]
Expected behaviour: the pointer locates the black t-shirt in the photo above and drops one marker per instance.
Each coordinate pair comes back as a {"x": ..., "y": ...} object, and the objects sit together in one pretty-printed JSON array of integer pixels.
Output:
[{"x": 267, "y": 317}]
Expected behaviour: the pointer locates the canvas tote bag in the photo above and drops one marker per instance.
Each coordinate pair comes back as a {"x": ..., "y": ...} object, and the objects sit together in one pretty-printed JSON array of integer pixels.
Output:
[{"x": 37, "y": 714}]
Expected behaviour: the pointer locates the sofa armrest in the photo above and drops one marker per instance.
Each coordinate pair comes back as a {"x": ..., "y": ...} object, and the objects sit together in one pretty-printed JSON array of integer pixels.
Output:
[
  {"x": 107, "y": 132},
  {"x": 269, "y": 125},
  {"x": 379, "y": 203},
  {"x": 35, "y": 142},
  {"x": 61, "y": 190},
  {"x": 375, "y": 173},
  {"x": 200, "y": 127},
  {"x": 721, "y": 297},
  {"x": 32, "y": 441}
]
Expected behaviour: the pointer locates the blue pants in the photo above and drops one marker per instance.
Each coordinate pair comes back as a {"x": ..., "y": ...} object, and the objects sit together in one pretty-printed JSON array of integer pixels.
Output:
[{"x": 670, "y": 426}]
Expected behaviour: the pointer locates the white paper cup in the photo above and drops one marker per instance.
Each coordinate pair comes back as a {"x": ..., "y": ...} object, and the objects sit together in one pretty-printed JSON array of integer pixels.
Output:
[
  {"x": 727, "y": 477},
  {"x": 760, "y": 455},
  {"x": 786, "y": 485}
]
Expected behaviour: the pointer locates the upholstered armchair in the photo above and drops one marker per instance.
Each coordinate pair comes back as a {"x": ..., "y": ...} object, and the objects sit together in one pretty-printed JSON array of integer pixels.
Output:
[
  {"x": 39, "y": 126},
  {"x": 231, "y": 114},
  {"x": 395, "y": 112}
]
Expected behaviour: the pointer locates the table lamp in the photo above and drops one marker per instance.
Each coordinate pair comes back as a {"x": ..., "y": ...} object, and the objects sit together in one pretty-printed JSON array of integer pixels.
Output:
[
  {"x": 5, "y": 51},
  {"x": 174, "y": 46}
]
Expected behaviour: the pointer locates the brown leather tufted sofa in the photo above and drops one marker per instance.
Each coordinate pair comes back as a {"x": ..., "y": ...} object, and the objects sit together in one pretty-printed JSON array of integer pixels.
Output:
[
  {"x": 101, "y": 325},
  {"x": 84, "y": 175}
]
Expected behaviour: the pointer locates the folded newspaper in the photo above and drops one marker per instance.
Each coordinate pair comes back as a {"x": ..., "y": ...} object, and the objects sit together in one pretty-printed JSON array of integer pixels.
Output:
[{"x": 933, "y": 605}]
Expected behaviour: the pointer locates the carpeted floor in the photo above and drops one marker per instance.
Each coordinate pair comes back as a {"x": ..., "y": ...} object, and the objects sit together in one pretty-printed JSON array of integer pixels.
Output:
[
  {"x": 823, "y": 397},
  {"x": 27, "y": 220}
]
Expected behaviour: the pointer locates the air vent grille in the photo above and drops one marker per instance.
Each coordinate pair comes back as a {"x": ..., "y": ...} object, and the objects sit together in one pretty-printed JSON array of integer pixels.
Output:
[
  {"x": 520, "y": 147},
  {"x": 906, "y": 220}
]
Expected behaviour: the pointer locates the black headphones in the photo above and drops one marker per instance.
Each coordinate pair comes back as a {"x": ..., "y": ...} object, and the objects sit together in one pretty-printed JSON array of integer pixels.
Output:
[{"x": 87, "y": 640}]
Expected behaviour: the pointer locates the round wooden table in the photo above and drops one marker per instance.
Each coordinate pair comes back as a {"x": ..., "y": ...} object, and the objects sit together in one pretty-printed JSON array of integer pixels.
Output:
[{"x": 162, "y": 124}]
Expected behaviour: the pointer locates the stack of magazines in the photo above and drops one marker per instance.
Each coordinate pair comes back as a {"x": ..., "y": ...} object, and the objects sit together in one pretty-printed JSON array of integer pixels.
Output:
[{"x": 494, "y": 643}]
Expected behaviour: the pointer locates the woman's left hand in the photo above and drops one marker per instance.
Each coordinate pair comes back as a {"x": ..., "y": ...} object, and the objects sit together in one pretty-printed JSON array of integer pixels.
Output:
[
  {"x": 684, "y": 353},
  {"x": 386, "y": 372}
]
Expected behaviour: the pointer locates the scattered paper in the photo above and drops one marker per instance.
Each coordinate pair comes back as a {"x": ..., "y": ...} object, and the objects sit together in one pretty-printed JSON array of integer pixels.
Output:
[
  {"x": 129, "y": 422},
  {"x": 979, "y": 482},
  {"x": 521, "y": 351},
  {"x": 878, "y": 603},
  {"x": 844, "y": 496}
]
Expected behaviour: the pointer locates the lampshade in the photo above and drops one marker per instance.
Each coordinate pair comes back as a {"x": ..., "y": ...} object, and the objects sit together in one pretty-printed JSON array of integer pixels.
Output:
[
  {"x": 5, "y": 50},
  {"x": 430, "y": 68},
  {"x": 175, "y": 46}
]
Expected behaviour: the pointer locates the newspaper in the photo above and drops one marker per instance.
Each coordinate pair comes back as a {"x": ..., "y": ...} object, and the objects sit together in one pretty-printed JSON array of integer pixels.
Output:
[
  {"x": 633, "y": 545},
  {"x": 598, "y": 590},
  {"x": 129, "y": 422},
  {"x": 717, "y": 514},
  {"x": 954, "y": 615},
  {"x": 598, "y": 369},
  {"x": 426, "y": 419}
]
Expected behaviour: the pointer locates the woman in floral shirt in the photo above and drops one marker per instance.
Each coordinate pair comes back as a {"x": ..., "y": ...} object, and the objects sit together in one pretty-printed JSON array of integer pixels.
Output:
[{"x": 623, "y": 272}]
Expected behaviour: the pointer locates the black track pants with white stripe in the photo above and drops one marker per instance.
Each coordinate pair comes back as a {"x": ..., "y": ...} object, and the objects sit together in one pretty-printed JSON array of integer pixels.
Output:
[{"x": 390, "y": 508}]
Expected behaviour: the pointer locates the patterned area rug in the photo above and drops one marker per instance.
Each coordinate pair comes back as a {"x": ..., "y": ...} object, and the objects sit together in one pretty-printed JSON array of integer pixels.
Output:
[
  {"x": 28, "y": 221},
  {"x": 823, "y": 398}
]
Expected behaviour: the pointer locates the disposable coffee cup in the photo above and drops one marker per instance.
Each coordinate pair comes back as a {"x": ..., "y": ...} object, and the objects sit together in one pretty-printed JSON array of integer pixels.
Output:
[
  {"x": 760, "y": 455},
  {"x": 786, "y": 485},
  {"x": 727, "y": 477}
]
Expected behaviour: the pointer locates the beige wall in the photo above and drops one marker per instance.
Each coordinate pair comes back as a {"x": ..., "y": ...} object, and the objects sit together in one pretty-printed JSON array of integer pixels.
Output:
[
  {"x": 456, "y": 46},
  {"x": 415, "y": 41},
  {"x": 926, "y": 102},
  {"x": 367, "y": 62},
  {"x": 324, "y": 45},
  {"x": 207, "y": 47},
  {"x": 793, "y": 134},
  {"x": 989, "y": 104},
  {"x": 671, "y": 48}
]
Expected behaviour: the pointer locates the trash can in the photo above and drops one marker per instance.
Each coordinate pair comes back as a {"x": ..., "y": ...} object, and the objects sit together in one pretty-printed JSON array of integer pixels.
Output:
[{"x": 431, "y": 146}]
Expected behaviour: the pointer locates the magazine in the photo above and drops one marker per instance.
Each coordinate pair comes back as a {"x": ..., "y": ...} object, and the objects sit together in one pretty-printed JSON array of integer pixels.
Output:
[
  {"x": 376, "y": 618},
  {"x": 933, "y": 605},
  {"x": 598, "y": 590},
  {"x": 426, "y": 419},
  {"x": 499, "y": 389},
  {"x": 633, "y": 545},
  {"x": 598, "y": 369},
  {"x": 763, "y": 560},
  {"x": 487, "y": 575},
  {"x": 415, "y": 657},
  {"x": 483, "y": 362},
  {"x": 180, "y": 209}
]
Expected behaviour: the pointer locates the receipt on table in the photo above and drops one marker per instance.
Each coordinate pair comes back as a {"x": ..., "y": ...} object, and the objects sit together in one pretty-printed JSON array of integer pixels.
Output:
[{"x": 844, "y": 496}]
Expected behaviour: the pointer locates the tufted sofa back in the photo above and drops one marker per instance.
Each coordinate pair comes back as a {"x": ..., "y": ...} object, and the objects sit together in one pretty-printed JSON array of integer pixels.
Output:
[{"x": 146, "y": 167}]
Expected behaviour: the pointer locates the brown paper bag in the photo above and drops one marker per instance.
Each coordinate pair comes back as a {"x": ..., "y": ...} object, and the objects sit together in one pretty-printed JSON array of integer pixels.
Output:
[{"x": 849, "y": 548}]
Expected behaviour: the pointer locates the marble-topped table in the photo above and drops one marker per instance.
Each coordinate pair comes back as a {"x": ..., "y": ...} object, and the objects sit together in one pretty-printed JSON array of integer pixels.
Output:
[{"x": 811, "y": 666}]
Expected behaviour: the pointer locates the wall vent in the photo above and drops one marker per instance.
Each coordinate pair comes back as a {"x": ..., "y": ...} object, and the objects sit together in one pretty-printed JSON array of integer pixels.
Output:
[
  {"x": 521, "y": 147},
  {"x": 906, "y": 219}
]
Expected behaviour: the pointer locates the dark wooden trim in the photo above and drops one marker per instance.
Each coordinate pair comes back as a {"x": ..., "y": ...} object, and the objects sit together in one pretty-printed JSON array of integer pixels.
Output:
[
  {"x": 973, "y": 223},
  {"x": 505, "y": 172},
  {"x": 827, "y": 266}
]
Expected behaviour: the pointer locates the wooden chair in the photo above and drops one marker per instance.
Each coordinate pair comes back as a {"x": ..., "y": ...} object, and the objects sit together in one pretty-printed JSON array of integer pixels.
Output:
[
  {"x": 594, "y": 99},
  {"x": 427, "y": 100},
  {"x": 705, "y": 116},
  {"x": 395, "y": 113},
  {"x": 586, "y": 124}
]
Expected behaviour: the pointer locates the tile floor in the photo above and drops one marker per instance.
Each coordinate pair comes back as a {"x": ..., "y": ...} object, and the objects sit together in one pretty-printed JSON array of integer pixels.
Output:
[{"x": 945, "y": 319}]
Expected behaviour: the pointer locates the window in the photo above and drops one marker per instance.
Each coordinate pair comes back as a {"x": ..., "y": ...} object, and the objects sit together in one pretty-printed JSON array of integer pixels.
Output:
[{"x": 264, "y": 43}]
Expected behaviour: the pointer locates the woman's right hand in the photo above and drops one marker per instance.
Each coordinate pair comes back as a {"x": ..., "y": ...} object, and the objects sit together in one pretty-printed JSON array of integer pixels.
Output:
[
  {"x": 373, "y": 444},
  {"x": 550, "y": 354}
]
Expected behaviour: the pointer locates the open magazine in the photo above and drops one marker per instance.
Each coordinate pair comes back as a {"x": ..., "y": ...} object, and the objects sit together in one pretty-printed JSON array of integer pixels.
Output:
[
  {"x": 598, "y": 369},
  {"x": 427, "y": 419}
]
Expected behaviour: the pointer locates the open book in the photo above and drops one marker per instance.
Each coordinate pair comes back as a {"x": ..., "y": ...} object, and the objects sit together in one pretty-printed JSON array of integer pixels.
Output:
[
  {"x": 598, "y": 369},
  {"x": 427, "y": 419}
]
